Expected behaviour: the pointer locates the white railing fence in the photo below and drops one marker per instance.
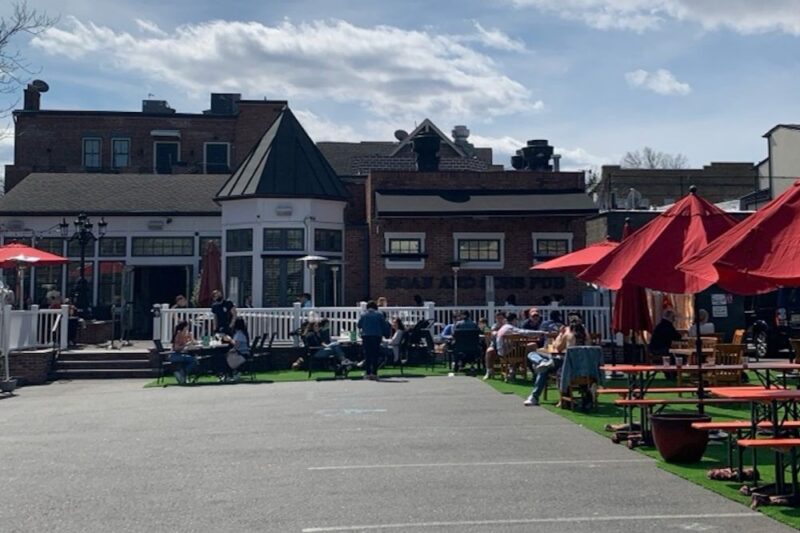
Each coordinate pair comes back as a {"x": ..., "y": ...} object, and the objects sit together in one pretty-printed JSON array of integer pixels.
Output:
[
  {"x": 33, "y": 328},
  {"x": 285, "y": 320}
]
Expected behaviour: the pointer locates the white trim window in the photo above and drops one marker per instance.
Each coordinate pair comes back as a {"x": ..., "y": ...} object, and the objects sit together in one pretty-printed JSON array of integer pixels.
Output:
[
  {"x": 120, "y": 152},
  {"x": 92, "y": 152},
  {"x": 219, "y": 161},
  {"x": 404, "y": 250},
  {"x": 479, "y": 250},
  {"x": 163, "y": 164},
  {"x": 549, "y": 245}
]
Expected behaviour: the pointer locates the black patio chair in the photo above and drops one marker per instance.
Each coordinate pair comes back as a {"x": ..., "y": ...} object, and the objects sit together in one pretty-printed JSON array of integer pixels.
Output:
[
  {"x": 164, "y": 363},
  {"x": 466, "y": 348},
  {"x": 260, "y": 357}
]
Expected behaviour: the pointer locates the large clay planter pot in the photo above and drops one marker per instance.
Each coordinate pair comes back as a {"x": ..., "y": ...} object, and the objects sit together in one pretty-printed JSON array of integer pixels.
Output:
[{"x": 675, "y": 439}]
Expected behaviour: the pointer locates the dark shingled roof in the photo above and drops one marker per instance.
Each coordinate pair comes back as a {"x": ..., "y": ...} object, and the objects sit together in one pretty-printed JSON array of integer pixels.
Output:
[
  {"x": 341, "y": 155},
  {"x": 285, "y": 163},
  {"x": 70, "y": 193}
]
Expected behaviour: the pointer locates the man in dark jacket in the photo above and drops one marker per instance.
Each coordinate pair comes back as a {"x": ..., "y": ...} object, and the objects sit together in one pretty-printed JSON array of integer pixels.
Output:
[{"x": 374, "y": 327}]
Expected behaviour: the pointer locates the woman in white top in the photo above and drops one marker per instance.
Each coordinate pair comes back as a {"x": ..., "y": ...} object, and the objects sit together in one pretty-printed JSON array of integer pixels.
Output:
[{"x": 392, "y": 346}]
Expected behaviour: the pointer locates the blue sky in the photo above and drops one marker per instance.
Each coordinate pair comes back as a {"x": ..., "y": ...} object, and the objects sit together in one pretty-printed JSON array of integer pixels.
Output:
[{"x": 705, "y": 78}]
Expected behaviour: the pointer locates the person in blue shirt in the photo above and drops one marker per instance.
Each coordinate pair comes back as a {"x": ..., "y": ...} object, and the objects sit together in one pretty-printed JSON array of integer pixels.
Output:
[
  {"x": 374, "y": 328},
  {"x": 305, "y": 300},
  {"x": 554, "y": 323}
]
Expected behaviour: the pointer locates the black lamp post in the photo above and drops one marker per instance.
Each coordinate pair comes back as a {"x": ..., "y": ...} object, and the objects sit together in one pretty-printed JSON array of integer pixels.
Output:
[{"x": 84, "y": 236}]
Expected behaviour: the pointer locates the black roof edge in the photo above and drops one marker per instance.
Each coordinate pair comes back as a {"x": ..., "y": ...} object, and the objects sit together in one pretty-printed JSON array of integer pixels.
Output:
[
  {"x": 478, "y": 192},
  {"x": 108, "y": 213},
  {"x": 296, "y": 196}
]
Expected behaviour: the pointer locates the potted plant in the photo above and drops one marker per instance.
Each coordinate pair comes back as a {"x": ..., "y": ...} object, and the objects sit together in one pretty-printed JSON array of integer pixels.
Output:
[{"x": 676, "y": 440}]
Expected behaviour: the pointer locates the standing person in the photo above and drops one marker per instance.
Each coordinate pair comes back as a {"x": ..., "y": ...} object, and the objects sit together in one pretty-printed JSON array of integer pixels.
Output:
[
  {"x": 374, "y": 327},
  {"x": 181, "y": 338},
  {"x": 383, "y": 302},
  {"x": 180, "y": 302},
  {"x": 224, "y": 312},
  {"x": 305, "y": 300}
]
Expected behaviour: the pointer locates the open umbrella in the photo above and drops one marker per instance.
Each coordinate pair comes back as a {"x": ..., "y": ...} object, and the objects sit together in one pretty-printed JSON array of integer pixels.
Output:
[
  {"x": 579, "y": 260},
  {"x": 760, "y": 254},
  {"x": 211, "y": 276},
  {"x": 648, "y": 257}
]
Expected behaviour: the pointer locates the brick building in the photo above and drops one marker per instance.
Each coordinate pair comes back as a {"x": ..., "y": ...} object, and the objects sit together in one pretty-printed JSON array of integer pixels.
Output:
[
  {"x": 155, "y": 140},
  {"x": 717, "y": 182},
  {"x": 395, "y": 222}
]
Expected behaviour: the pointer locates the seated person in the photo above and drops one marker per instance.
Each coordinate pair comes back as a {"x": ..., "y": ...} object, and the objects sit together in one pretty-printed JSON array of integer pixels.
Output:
[
  {"x": 661, "y": 339},
  {"x": 483, "y": 325},
  {"x": 706, "y": 327},
  {"x": 544, "y": 364},
  {"x": 390, "y": 348},
  {"x": 554, "y": 323},
  {"x": 181, "y": 338},
  {"x": 497, "y": 349},
  {"x": 240, "y": 353},
  {"x": 319, "y": 349},
  {"x": 534, "y": 320}
]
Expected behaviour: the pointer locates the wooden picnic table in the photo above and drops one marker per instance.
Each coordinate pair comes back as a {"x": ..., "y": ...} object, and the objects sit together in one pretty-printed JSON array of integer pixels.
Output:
[{"x": 776, "y": 406}]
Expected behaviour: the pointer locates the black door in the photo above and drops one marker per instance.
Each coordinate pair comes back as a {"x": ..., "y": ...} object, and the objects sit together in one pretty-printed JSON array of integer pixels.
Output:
[{"x": 155, "y": 285}]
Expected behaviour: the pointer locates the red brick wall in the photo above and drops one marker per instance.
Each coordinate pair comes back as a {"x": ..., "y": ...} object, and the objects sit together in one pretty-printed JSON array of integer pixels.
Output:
[
  {"x": 30, "y": 368},
  {"x": 52, "y": 141}
]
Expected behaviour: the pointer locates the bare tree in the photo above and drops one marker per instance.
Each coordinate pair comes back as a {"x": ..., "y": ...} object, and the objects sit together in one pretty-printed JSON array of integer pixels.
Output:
[
  {"x": 14, "y": 68},
  {"x": 650, "y": 158}
]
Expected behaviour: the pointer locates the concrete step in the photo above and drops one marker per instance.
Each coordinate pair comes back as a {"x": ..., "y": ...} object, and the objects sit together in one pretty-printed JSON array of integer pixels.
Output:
[
  {"x": 130, "y": 364},
  {"x": 106, "y": 374},
  {"x": 111, "y": 355}
]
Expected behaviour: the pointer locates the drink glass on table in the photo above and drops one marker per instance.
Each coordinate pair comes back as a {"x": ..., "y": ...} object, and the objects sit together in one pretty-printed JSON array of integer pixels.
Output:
[
  {"x": 678, "y": 361},
  {"x": 665, "y": 360}
]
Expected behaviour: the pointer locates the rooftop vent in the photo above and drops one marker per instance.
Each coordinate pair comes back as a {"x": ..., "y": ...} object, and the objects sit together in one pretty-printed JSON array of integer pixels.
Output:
[
  {"x": 426, "y": 146},
  {"x": 535, "y": 156},
  {"x": 224, "y": 104},
  {"x": 33, "y": 94},
  {"x": 158, "y": 107}
]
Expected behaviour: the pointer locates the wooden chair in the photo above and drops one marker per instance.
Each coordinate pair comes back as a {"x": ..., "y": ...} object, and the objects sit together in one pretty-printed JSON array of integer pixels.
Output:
[
  {"x": 585, "y": 386},
  {"x": 738, "y": 336},
  {"x": 795, "y": 343},
  {"x": 682, "y": 344},
  {"x": 516, "y": 353},
  {"x": 728, "y": 354}
]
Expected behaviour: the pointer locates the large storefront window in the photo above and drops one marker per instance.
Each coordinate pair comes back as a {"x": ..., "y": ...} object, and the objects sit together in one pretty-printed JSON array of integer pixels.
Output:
[
  {"x": 283, "y": 281},
  {"x": 159, "y": 246},
  {"x": 239, "y": 270},
  {"x": 109, "y": 285},
  {"x": 54, "y": 245}
]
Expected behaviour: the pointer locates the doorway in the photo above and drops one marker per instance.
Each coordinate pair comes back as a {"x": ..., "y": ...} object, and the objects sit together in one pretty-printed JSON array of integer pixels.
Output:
[{"x": 155, "y": 285}]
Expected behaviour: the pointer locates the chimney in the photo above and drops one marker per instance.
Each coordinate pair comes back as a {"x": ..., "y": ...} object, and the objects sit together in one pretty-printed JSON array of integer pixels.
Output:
[
  {"x": 556, "y": 162},
  {"x": 535, "y": 156},
  {"x": 426, "y": 146},
  {"x": 33, "y": 95}
]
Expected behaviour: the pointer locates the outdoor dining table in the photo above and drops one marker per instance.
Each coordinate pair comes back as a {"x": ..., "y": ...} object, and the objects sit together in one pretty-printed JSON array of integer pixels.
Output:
[
  {"x": 775, "y": 406},
  {"x": 211, "y": 359}
]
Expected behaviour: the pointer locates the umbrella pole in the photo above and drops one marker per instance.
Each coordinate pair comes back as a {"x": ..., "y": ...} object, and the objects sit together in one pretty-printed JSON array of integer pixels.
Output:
[
  {"x": 699, "y": 349},
  {"x": 611, "y": 328}
]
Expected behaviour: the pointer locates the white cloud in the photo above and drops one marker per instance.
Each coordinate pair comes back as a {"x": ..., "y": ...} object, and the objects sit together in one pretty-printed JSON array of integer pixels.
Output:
[
  {"x": 501, "y": 146},
  {"x": 742, "y": 16},
  {"x": 148, "y": 26},
  {"x": 323, "y": 129},
  {"x": 495, "y": 38},
  {"x": 581, "y": 159},
  {"x": 661, "y": 81},
  {"x": 390, "y": 71}
]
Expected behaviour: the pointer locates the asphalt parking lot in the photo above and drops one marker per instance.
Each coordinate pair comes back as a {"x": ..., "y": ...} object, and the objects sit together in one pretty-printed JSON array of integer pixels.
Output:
[{"x": 432, "y": 454}]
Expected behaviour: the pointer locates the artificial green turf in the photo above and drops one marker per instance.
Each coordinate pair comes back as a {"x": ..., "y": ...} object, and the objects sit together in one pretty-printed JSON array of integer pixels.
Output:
[
  {"x": 715, "y": 456},
  {"x": 596, "y": 420}
]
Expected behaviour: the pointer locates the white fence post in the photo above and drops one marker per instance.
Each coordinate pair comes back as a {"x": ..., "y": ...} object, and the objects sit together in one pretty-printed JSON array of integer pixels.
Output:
[
  {"x": 64, "y": 328},
  {"x": 297, "y": 321},
  {"x": 166, "y": 324},
  {"x": 5, "y": 343},
  {"x": 430, "y": 311},
  {"x": 35, "y": 325},
  {"x": 490, "y": 312}
]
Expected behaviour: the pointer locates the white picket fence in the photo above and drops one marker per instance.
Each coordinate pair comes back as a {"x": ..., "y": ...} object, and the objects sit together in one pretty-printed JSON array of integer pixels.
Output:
[
  {"x": 33, "y": 328},
  {"x": 284, "y": 320}
]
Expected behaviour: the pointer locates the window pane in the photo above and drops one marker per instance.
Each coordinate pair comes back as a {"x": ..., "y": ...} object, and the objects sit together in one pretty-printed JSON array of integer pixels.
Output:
[
  {"x": 112, "y": 247},
  {"x": 239, "y": 271},
  {"x": 405, "y": 246},
  {"x": 239, "y": 240},
  {"x": 74, "y": 274},
  {"x": 217, "y": 158},
  {"x": 109, "y": 289},
  {"x": 327, "y": 240},
  {"x": 283, "y": 281},
  {"x": 158, "y": 246},
  {"x": 74, "y": 248},
  {"x": 91, "y": 153},
  {"x": 54, "y": 245},
  {"x": 280, "y": 239},
  {"x": 479, "y": 250},
  {"x": 120, "y": 152},
  {"x": 551, "y": 247}
]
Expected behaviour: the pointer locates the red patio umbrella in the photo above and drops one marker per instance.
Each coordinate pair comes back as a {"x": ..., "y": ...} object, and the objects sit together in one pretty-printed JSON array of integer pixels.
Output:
[
  {"x": 579, "y": 260},
  {"x": 11, "y": 255},
  {"x": 211, "y": 276},
  {"x": 760, "y": 254},
  {"x": 649, "y": 257}
]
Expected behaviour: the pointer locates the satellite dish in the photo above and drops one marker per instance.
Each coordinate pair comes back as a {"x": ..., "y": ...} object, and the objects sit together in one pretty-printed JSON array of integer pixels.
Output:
[
  {"x": 40, "y": 85},
  {"x": 401, "y": 135}
]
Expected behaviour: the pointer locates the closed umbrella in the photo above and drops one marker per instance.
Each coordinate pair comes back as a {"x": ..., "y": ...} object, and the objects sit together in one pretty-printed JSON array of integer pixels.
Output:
[
  {"x": 760, "y": 254},
  {"x": 631, "y": 313},
  {"x": 211, "y": 275},
  {"x": 649, "y": 257}
]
